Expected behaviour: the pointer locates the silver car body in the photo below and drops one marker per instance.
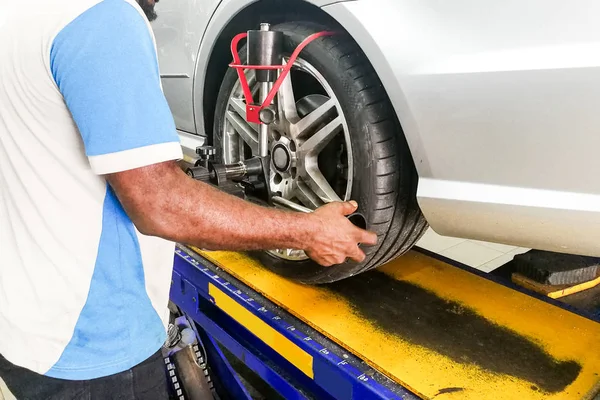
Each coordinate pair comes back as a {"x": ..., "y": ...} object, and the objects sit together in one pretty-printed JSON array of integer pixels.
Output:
[{"x": 499, "y": 102}]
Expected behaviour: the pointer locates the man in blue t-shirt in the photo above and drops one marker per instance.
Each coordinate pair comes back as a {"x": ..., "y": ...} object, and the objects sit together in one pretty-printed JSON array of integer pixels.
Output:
[{"x": 92, "y": 202}]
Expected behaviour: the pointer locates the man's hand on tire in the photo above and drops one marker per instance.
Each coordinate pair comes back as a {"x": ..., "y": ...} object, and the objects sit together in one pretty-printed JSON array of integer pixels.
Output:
[{"x": 335, "y": 239}]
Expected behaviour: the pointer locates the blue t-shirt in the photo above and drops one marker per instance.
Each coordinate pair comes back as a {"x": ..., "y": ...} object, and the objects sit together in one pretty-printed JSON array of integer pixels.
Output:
[{"x": 82, "y": 293}]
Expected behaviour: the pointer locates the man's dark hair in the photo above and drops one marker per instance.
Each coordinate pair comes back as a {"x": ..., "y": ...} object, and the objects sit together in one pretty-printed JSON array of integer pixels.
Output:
[{"x": 148, "y": 7}]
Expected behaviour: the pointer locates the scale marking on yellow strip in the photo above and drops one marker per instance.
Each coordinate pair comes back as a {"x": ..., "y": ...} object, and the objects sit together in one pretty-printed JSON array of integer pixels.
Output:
[{"x": 282, "y": 345}]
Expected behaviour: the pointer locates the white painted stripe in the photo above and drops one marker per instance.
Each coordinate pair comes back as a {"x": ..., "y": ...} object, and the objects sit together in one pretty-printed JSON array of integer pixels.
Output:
[{"x": 507, "y": 195}]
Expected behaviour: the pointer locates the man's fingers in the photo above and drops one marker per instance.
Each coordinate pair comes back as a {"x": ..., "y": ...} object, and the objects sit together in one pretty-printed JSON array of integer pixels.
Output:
[
  {"x": 348, "y": 207},
  {"x": 322, "y": 261},
  {"x": 367, "y": 237},
  {"x": 357, "y": 255}
]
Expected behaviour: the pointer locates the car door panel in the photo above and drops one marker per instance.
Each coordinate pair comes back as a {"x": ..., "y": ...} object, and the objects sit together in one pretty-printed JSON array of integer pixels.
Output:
[{"x": 179, "y": 29}]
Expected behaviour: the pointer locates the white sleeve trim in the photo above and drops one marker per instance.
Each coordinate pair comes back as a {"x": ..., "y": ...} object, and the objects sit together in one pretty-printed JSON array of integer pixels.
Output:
[{"x": 135, "y": 158}]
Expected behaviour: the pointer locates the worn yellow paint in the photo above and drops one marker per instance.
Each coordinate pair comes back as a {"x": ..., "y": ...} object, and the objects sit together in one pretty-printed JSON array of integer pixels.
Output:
[
  {"x": 294, "y": 354},
  {"x": 561, "y": 334}
]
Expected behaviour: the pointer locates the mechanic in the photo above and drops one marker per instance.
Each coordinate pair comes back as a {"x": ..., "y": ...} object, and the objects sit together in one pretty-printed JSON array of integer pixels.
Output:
[{"x": 92, "y": 200}]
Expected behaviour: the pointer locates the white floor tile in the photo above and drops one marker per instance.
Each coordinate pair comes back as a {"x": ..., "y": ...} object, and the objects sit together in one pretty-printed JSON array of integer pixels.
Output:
[
  {"x": 5, "y": 394},
  {"x": 471, "y": 253},
  {"x": 484, "y": 256},
  {"x": 436, "y": 243},
  {"x": 500, "y": 261}
]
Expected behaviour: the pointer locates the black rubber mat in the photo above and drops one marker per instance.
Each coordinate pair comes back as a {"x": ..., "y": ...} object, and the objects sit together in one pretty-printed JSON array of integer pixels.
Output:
[{"x": 555, "y": 268}]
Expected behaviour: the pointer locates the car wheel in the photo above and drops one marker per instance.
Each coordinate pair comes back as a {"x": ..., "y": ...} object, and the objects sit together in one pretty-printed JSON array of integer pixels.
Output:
[{"x": 337, "y": 138}]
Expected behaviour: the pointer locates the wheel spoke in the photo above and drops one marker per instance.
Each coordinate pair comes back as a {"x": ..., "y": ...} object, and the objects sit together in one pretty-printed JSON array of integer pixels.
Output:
[
  {"x": 287, "y": 102},
  {"x": 317, "y": 142},
  {"x": 306, "y": 196},
  {"x": 316, "y": 181},
  {"x": 251, "y": 77},
  {"x": 312, "y": 120},
  {"x": 240, "y": 144},
  {"x": 244, "y": 130},
  {"x": 255, "y": 89},
  {"x": 239, "y": 106}
]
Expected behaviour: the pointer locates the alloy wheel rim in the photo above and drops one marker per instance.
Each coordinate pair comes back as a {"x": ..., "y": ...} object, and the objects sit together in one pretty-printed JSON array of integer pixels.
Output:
[{"x": 309, "y": 143}]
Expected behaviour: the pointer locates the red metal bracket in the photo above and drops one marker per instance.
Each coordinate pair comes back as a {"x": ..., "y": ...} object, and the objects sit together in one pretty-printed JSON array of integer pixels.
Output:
[{"x": 252, "y": 109}]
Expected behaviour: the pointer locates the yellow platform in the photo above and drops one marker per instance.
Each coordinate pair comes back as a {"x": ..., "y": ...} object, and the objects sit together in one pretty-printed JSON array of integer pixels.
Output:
[{"x": 442, "y": 332}]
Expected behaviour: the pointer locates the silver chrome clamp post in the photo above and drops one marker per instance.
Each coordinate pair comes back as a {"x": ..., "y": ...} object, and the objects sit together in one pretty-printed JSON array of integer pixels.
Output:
[
  {"x": 265, "y": 88},
  {"x": 265, "y": 48}
]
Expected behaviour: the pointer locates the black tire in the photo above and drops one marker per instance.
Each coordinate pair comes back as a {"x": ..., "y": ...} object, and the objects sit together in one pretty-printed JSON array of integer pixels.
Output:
[{"x": 385, "y": 184}]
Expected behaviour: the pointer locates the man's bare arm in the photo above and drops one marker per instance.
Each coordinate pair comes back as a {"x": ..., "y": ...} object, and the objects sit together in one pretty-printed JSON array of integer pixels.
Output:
[{"x": 163, "y": 201}]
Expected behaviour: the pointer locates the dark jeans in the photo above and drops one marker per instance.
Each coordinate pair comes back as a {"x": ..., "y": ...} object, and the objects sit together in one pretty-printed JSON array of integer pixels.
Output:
[{"x": 146, "y": 381}]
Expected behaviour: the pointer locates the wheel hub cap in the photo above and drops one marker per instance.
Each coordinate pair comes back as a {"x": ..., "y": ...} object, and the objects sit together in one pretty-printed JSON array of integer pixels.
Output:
[{"x": 281, "y": 157}]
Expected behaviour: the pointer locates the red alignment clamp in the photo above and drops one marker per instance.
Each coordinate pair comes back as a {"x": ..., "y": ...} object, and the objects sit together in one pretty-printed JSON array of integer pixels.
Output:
[{"x": 253, "y": 110}]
